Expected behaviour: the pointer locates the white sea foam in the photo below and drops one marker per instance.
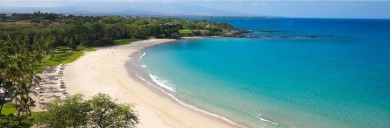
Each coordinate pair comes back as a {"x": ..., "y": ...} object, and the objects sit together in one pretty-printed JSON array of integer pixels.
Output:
[
  {"x": 163, "y": 83},
  {"x": 143, "y": 79},
  {"x": 200, "y": 110},
  {"x": 142, "y": 56},
  {"x": 185, "y": 104},
  {"x": 143, "y": 66},
  {"x": 265, "y": 120}
]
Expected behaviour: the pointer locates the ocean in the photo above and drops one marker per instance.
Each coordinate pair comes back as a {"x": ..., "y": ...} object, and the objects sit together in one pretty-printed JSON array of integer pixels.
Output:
[{"x": 302, "y": 73}]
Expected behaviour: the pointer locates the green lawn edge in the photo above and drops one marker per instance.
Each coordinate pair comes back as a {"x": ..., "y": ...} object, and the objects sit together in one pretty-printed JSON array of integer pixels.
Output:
[
  {"x": 185, "y": 31},
  {"x": 8, "y": 108},
  {"x": 124, "y": 41}
]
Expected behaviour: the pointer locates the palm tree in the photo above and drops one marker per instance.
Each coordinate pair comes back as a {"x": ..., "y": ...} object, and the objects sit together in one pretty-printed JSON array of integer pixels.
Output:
[{"x": 22, "y": 52}]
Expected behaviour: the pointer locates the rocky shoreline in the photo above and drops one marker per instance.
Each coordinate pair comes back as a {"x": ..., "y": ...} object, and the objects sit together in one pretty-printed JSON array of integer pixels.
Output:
[{"x": 241, "y": 34}]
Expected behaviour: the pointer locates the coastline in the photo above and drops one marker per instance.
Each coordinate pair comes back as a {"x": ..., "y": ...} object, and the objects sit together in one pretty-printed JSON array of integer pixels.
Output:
[
  {"x": 137, "y": 71},
  {"x": 104, "y": 71}
]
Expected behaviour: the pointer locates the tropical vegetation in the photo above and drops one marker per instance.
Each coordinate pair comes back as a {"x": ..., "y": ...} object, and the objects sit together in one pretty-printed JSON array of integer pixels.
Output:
[
  {"x": 100, "y": 111},
  {"x": 31, "y": 41},
  {"x": 71, "y": 30}
]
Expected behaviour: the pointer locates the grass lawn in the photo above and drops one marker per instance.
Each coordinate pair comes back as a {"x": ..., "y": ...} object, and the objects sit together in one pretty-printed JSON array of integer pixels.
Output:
[
  {"x": 61, "y": 56},
  {"x": 34, "y": 116},
  {"x": 124, "y": 41},
  {"x": 82, "y": 48},
  {"x": 185, "y": 31},
  {"x": 64, "y": 55},
  {"x": 8, "y": 108}
]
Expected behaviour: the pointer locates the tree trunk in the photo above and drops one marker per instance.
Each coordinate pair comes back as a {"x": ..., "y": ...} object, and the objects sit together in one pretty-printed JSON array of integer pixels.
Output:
[{"x": 3, "y": 101}]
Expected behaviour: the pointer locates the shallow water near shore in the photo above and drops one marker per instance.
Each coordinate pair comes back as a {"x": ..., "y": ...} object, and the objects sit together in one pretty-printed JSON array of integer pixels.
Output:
[{"x": 340, "y": 81}]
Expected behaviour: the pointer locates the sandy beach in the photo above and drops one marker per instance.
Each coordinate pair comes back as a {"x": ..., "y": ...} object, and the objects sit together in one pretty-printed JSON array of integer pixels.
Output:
[{"x": 104, "y": 71}]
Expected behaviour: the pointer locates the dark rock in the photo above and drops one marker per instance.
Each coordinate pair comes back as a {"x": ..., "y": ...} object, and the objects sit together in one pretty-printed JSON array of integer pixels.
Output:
[
  {"x": 233, "y": 33},
  {"x": 269, "y": 31}
]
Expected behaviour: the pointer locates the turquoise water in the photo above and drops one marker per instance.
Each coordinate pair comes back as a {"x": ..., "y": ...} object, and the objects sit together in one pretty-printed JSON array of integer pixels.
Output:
[{"x": 341, "y": 80}]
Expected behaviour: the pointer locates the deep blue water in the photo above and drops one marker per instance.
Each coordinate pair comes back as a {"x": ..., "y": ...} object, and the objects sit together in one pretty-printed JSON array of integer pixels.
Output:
[{"x": 339, "y": 80}]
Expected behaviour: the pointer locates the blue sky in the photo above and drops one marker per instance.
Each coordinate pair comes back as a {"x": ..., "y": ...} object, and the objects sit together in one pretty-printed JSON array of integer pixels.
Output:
[{"x": 279, "y": 8}]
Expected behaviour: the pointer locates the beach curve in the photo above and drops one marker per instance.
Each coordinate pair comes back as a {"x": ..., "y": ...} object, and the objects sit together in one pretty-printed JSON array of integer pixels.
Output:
[{"x": 104, "y": 71}]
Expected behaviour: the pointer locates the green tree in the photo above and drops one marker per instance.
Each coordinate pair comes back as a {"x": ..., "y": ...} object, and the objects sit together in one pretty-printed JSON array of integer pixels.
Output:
[
  {"x": 97, "y": 30},
  {"x": 98, "y": 112},
  {"x": 12, "y": 121},
  {"x": 106, "y": 113},
  {"x": 20, "y": 53},
  {"x": 71, "y": 112}
]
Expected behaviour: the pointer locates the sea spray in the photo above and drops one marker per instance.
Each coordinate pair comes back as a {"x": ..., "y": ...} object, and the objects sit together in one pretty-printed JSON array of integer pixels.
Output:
[
  {"x": 162, "y": 83},
  {"x": 171, "y": 95},
  {"x": 141, "y": 57},
  {"x": 265, "y": 120}
]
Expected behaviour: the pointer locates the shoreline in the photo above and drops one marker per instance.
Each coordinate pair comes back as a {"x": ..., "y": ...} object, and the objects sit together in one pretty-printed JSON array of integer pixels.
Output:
[
  {"x": 137, "y": 72},
  {"x": 105, "y": 71}
]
